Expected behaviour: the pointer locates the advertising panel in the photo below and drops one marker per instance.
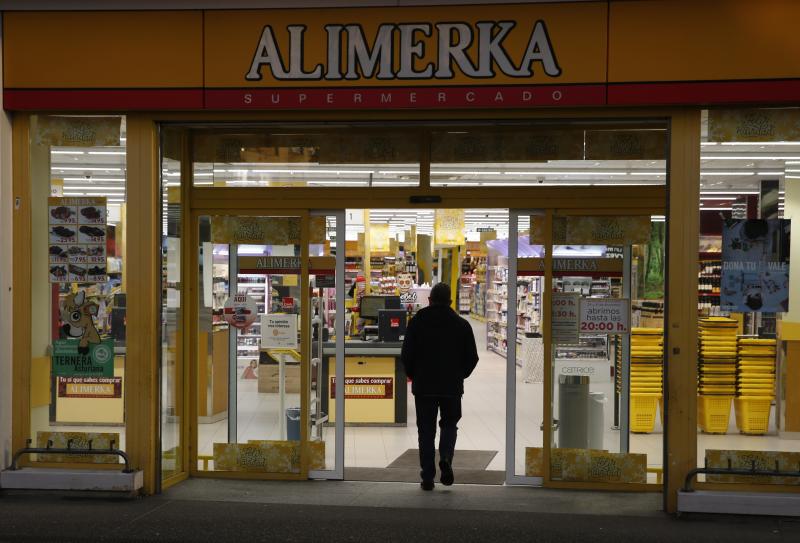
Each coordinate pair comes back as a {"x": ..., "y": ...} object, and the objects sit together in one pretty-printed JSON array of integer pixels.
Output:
[{"x": 755, "y": 266}]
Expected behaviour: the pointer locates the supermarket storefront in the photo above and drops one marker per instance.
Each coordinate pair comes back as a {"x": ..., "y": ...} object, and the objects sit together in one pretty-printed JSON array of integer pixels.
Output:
[{"x": 217, "y": 130}]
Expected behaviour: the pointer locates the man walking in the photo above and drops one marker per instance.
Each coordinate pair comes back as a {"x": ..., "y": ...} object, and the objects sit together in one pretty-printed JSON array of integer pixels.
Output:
[{"x": 439, "y": 352}]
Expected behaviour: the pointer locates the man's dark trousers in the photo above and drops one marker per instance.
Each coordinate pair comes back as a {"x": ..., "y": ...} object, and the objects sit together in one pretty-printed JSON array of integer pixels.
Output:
[{"x": 428, "y": 407}]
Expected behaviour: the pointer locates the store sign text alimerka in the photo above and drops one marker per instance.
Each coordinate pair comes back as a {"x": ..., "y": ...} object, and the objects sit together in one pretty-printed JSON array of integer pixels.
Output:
[{"x": 405, "y": 51}]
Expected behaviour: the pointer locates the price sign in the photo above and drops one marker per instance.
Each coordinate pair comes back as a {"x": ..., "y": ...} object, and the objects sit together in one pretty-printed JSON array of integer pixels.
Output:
[
  {"x": 564, "y": 312},
  {"x": 605, "y": 316}
]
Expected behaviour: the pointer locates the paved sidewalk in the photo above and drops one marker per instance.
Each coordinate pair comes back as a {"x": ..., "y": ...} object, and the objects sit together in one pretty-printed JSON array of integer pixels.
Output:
[
  {"x": 519, "y": 499},
  {"x": 326, "y": 512}
]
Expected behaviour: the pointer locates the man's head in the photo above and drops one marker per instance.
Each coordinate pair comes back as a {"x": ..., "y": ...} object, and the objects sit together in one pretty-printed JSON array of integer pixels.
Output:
[{"x": 440, "y": 294}]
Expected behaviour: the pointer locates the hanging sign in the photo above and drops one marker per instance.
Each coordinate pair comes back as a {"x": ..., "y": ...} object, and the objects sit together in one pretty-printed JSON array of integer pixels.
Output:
[
  {"x": 265, "y": 230},
  {"x": 753, "y": 125},
  {"x": 605, "y": 315},
  {"x": 595, "y": 230},
  {"x": 279, "y": 331},
  {"x": 77, "y": 131},
  {"x": 379, "y": 238},
  {"x": 564, "y": 314},
  {"x": 448, "y": 228},
  {"x": 755, "y": 266},
  {"x": 240, "y": 311},
  {"x": 77, "y": 240},
  {"x": 585, "y": 267},
  {"x": 67, "y": 359}
]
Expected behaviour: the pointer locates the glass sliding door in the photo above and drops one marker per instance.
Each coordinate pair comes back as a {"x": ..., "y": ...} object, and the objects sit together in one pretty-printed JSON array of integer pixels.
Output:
[
  {"x": 252, "y": 344},
  {"x": 326, "y": 316},
  {"x": 525, "y": 353}
]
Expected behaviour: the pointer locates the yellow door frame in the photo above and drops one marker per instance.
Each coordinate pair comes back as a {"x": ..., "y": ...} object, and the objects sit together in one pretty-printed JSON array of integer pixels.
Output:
[{"x": 190, "y": 238}]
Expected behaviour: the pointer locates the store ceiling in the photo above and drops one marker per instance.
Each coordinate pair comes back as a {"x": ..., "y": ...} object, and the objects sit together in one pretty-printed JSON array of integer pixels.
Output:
[{"x": 727, "y": 171}]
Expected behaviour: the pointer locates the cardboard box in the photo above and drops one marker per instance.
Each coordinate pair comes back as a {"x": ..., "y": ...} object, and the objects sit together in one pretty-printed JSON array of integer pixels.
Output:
[{"x": 268, "y": 378}]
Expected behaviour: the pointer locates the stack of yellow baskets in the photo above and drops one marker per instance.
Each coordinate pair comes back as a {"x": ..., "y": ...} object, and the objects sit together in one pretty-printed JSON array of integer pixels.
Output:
[
  {"x": 647, "y": 355},
  {"x": 717, "y": 373},
  {"x": 755, "y": 381}
]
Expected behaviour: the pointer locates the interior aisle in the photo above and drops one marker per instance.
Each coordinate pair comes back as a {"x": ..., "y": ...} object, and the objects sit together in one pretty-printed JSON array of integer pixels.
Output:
[{"x": 482, "y": 427}]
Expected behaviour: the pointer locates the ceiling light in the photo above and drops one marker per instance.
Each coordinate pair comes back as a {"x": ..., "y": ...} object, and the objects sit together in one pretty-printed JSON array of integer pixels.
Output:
[
  {"x": 762, "y": 143},
  {"x": 710, "y": 174},
  {"x": 92, "y": 187},
  {"x": 85, "y": 179},
  {"x": 750, "y": 157},
  {"x": 588, "y": 172},
  {"x": 106, "y": 152},
  {"x": 721, "y": 192},
  {"x": 66, "y": 152},
  {"x": 716, "y": 208},
  {"x": 453, "y": 172},
  {"x": 87, "y": 169}
]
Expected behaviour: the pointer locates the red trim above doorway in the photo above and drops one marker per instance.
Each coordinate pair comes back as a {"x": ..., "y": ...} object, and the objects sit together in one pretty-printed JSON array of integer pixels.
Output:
[
  {"x": 376, "y": 98},
  {"x": 704, "y": 93},
  {"x": 407, "y": 97},
  {"x": 102, "y": 99}
]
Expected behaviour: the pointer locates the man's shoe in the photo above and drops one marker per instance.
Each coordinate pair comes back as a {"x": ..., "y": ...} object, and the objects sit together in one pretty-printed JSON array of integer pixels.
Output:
[
  {"x": 427, "y": 485},
  {"x": 446, "y": 467}
]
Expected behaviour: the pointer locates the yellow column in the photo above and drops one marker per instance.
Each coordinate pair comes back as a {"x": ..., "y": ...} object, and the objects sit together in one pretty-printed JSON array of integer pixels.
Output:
[
  {"x": 681, "y": 292},
  {"x": 367, "y": 254},
  {"x": 144, "y": 287},
  {"x": 455, "y": 274},
  {"x": 424, "y": 256}
]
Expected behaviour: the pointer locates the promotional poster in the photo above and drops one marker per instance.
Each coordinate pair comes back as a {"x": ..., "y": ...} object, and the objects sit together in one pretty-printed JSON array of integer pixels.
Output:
[{"x": 755, "y": 266}]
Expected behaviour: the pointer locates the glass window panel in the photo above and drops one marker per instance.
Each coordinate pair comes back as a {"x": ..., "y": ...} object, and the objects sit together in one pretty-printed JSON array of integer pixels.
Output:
[
  {"x": 607, "y": 384},
  {"x": 747, "y": 403},
  {"x": 78, "y": 185},
  {"x": 172, "y": 412},
  {"x": 294, "y": 157},
  {"x": 549, "y": 155}
]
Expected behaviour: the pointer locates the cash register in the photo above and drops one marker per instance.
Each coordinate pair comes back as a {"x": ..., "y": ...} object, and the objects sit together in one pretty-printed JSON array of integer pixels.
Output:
[{"x": 370, "y": 309}]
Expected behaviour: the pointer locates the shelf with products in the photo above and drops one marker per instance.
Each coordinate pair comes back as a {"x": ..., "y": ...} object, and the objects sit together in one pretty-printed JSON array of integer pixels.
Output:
[
  {"x": 529, "y": 291},
  {"x": 708, "y": 285},
  {"x": 589, "y": 347},
  {"x": 466, "y": 285}
]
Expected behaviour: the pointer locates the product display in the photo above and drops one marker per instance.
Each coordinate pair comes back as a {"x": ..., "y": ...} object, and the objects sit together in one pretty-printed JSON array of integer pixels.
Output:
[
  {"x": 716, "y": 373},
  {"x": 755, "y": 385},
  {"x": 78, "y": 235},
  {"x": 708, "y": 284},
  {"x": 647, "y": 372}
]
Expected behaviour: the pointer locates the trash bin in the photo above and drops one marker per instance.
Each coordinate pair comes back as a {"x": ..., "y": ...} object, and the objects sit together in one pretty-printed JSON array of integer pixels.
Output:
[
  {"x": 293, "y": 424},
  {"x": 597, "y": 412},
  {"x": 573, "y": 411}
]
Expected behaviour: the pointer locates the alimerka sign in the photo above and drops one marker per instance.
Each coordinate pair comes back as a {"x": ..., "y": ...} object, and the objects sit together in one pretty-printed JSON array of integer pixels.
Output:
[
  {"x": 472, "y": 56},
  {"x": 403, "y": 51},
  {"x": 480, "y": 56}
]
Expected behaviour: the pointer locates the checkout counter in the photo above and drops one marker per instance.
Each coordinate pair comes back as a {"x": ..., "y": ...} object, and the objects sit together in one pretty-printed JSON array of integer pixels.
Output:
[{"x": 376, "y": 390}]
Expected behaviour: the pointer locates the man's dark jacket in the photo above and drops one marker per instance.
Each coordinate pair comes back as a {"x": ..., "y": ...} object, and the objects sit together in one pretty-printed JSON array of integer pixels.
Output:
[{"x": 438, "y": 352}]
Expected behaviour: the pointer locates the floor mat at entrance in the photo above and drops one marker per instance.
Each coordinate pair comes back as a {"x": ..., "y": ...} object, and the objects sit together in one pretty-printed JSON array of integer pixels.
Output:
[
  {"x": 411, "y": 475},
  {"x": 477, "y": 460}
]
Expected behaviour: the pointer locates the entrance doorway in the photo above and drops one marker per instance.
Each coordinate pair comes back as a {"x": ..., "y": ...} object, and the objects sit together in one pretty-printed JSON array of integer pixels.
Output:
[{"x": 313, "y": 385}]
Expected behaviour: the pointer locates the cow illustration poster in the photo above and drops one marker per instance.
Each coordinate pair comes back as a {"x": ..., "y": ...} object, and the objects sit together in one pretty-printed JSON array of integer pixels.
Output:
[{"x": 755, "y": 266}]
